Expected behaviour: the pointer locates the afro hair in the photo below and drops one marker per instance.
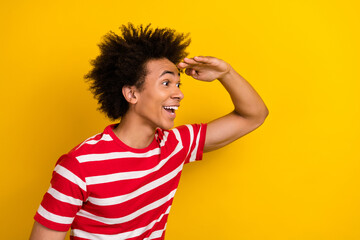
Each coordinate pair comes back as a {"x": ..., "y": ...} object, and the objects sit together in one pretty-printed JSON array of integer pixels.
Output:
[{"x": 122, "y": 62}]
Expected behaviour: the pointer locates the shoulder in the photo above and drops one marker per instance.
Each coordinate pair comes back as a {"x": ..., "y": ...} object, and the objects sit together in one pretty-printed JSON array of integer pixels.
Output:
[
  {"x": 191, "y": 131},
  {"x": 95, "y": 144},
  {"x": 182, "y": 133}
]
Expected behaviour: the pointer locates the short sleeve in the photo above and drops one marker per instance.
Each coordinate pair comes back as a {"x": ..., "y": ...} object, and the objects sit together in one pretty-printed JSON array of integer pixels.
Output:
[
  {"x": 193, "y": 140},
  {"x": 65, "y": 196}
]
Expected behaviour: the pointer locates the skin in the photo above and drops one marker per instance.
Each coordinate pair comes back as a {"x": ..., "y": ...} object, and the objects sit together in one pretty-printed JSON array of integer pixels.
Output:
[
  {"x": 39, "y": 232},
  {"x": 250, "y": 110},
  {"x": 161, "y": 88},
  {"x": 146, "y": 112}
]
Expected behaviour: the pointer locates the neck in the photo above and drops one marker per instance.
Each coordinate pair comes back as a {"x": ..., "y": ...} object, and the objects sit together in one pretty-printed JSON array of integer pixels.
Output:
[{"x": 133, "y": 132}]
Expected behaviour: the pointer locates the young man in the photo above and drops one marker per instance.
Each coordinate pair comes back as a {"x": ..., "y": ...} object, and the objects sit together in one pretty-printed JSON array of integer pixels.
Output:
[{"x": 120, "y": 184}]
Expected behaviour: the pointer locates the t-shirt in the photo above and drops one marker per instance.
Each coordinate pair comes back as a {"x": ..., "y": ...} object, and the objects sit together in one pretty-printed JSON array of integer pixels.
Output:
[{"x": 104, "y": 189}]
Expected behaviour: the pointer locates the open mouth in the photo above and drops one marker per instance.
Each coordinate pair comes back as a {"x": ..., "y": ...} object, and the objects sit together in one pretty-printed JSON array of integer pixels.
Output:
[{"x": 171, "y": 109}]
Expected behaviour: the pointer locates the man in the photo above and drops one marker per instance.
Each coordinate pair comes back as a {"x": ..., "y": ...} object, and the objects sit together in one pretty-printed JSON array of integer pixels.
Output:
[{"x": 120, "y": 184}]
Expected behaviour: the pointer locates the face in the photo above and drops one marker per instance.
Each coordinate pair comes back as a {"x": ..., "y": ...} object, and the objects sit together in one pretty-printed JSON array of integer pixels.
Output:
[{"x": 160, "y": 95}]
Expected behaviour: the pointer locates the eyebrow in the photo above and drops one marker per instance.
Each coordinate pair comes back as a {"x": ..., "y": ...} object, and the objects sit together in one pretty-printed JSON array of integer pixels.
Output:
[{"x": 168, "y": 72}]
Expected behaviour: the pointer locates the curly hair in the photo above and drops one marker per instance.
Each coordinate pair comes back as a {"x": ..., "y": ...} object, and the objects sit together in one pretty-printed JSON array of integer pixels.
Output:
[{"x": 122, "y": 62}]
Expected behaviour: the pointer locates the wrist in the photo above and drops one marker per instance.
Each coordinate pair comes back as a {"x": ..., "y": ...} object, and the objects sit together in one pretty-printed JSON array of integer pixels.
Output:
[{"x": 227, "y": 74}]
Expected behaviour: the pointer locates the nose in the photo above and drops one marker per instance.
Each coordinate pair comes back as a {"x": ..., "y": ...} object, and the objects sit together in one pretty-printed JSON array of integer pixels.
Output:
[{"x": 177, "y": 94}]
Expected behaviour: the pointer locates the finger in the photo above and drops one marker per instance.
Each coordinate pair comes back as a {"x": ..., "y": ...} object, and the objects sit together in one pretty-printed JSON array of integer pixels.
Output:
[
  {"x": 194, "y": 73},
  {"x": 190, "y": 61},
  {"x": 183, "y": 65},
  {"x": 202, "y": 59}
]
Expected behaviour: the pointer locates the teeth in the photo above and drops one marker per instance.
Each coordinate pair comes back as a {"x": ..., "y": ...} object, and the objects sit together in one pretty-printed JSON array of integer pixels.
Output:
[{"x": 171, "y": 107}]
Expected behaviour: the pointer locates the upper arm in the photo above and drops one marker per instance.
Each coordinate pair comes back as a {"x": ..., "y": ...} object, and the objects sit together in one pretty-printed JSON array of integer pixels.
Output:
[
  {"x": 39, "y": 232},
  {"x": 228, "y": 128},
  {"x": 65, "y": 196}
]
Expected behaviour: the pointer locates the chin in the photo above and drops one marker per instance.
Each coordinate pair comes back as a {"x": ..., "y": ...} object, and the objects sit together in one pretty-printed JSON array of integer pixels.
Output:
[{"x": 167, "y": 126}]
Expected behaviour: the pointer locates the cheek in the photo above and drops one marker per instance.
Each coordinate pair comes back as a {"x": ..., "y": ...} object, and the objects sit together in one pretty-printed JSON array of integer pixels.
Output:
[
  {"x": 153, "y": 100},
  {"x": 149, "y": 104}
]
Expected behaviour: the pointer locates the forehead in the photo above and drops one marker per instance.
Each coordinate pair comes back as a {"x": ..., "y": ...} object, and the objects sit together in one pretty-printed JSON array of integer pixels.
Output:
[{"x": 156, "y": 67}]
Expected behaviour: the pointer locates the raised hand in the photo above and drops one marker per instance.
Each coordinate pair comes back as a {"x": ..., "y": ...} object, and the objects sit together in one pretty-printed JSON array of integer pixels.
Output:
[{"x": 205, "y": 68}]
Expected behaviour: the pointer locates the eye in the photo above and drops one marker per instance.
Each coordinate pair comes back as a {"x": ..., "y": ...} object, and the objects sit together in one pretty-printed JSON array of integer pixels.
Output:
[
  {"x": 165, "y": 83},
  {"x": 178, "y": 85}
]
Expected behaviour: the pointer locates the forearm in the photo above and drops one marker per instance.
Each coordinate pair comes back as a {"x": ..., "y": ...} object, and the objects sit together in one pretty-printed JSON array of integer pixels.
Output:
[
  {"x": 250, "y": 110},
  {"x": 246, "y": 100},
  {"x": 39, "y": 232}
]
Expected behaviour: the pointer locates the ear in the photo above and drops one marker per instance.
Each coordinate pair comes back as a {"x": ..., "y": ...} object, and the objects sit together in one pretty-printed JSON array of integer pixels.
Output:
[{"x": 129, "y": 93}]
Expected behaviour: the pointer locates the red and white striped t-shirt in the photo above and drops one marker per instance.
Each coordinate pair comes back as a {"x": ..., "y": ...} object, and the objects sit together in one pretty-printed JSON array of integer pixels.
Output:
[{"x": 104, "y": 189}]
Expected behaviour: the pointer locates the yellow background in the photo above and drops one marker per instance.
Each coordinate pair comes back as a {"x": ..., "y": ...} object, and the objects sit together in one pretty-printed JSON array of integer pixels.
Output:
[{"x": 294, "y": 178}]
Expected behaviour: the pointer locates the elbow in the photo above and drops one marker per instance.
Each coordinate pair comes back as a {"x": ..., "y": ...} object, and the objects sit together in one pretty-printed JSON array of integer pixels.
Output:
[
  {"x": 266, "y": 113},
  {"x": 262, "y": 116},
  {"x": 258, "y": 117}
]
